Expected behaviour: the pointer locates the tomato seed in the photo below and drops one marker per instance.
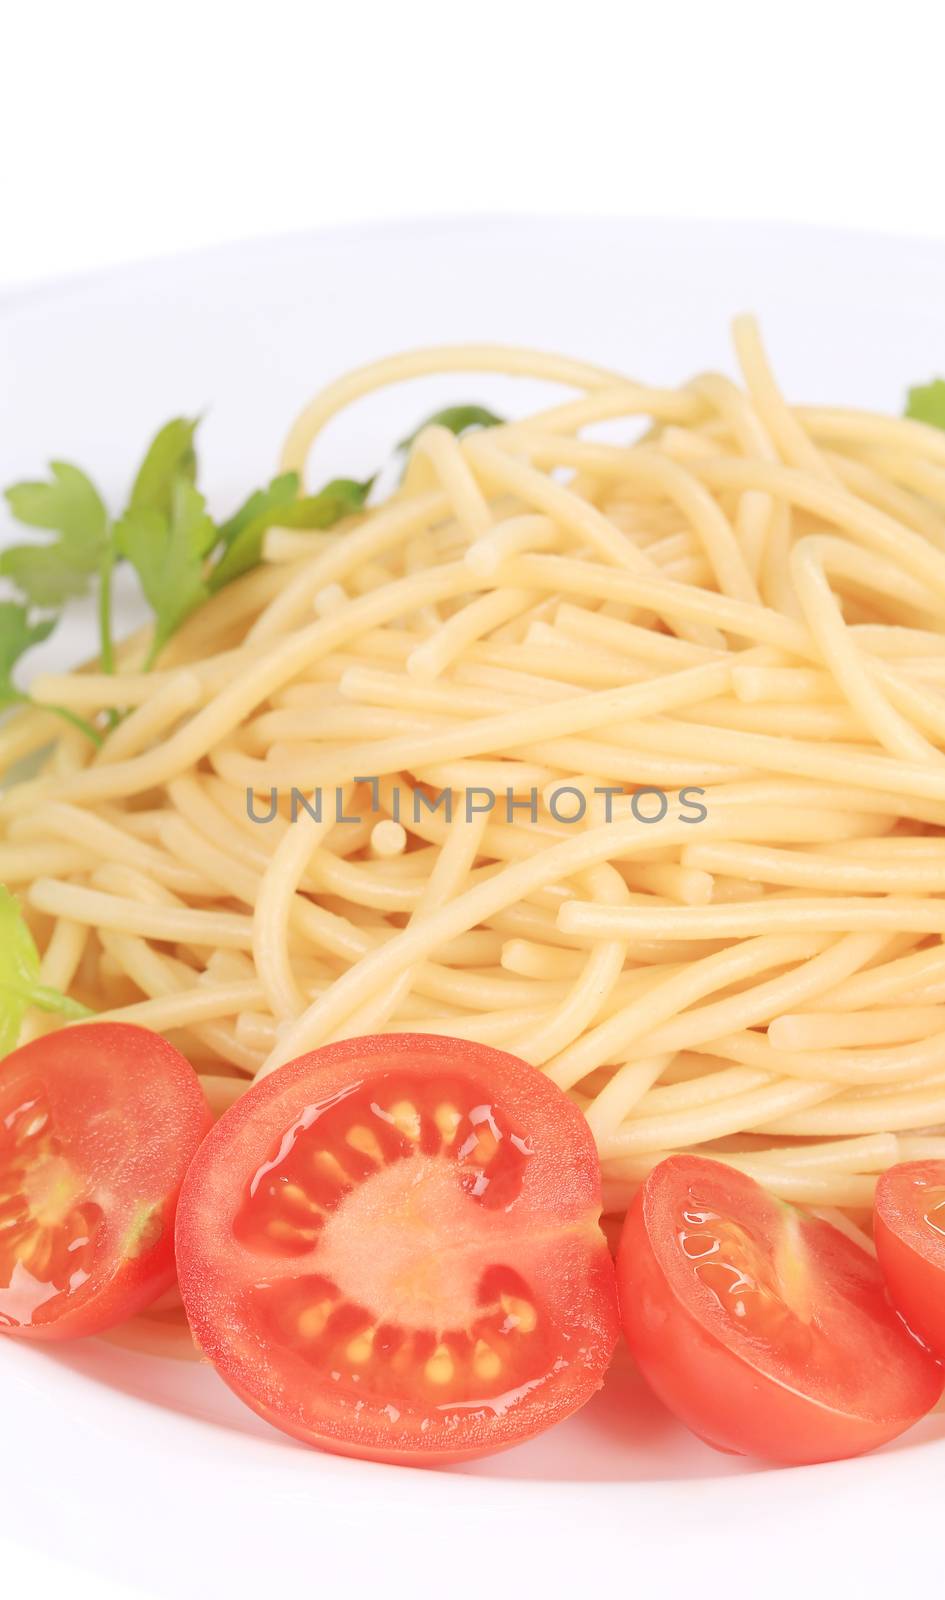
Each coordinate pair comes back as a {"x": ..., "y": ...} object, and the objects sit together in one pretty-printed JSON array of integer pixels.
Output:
[
  {"x": 314, "y": 1318},
  {"x": 329, "y": 1166},
  {"x": 447, "y": 1120},
  {"x": 406, "y": 1119},
  {"x": 296, "y": 1196},
  {"x": 439, "y": 1369},
  {"x": 365, "y": 1142},
  {"x": 520, "y": 1313},
  {"x": 360, "y": 1349},
  {"x": 486, "y": 1362}
]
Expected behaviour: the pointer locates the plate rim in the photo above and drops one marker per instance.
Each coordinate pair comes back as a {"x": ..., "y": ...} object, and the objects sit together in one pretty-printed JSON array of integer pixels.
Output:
[{"x": 20, "y": 295}]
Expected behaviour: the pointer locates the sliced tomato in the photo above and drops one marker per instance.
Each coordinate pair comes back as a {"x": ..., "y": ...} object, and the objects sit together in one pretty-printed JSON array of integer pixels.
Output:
[
  {"x": 98, "y": 1124},
  {"x": 766, "y": 1331},
  {"x": 391, "y": 1248},
  {"x": 909, "y": 1230}
]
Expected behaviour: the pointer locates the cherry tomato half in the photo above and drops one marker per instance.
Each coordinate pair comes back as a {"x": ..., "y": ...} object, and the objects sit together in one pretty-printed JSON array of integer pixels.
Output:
[
  {"x": 767, "y": 1332},
  {"x": 98, "y": 1124},
  {"x": 391, "y": 1248},
  {"x": 909, "y": 1230}
]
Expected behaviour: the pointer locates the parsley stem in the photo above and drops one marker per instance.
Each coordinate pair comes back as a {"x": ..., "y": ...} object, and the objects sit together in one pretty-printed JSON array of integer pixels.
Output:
[
  {"x": 107, "y": 649},
  {"x": 17, "y": 697},
  {"x": 157, "y": 645},
  {"x": 88, "y": 728},
  {"x": 106, "y": 645}
]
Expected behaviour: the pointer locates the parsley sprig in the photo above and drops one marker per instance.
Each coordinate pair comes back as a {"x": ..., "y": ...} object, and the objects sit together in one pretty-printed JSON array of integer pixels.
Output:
[{"x": 165, "y": 533}]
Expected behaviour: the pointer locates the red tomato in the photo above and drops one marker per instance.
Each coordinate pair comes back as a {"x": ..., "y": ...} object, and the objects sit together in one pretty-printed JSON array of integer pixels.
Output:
[
  {"x": 391, "y": 1248},
  {"x": 909, "y": 1229},
  {"x": 98, "y": 1124},
  {"x": 767, "y": 1332}
]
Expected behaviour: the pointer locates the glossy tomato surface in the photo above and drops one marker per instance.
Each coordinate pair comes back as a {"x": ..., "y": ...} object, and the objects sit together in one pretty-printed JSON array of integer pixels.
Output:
[
  {"x": 391, "y": 1248},
  {"x": 98, "y": 1124},
  {"x": 909, "y": 1230},
  {"x": 768, "y": 1332}
]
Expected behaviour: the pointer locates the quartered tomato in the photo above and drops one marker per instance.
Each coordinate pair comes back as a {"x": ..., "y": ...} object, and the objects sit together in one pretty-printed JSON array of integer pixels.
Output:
[
  {"x": 98, "y": 1124},
  {"x": 909, "y": 1229},
  {"x": 391, "y": 1248},
  {"x": 767, "y": 1332}
]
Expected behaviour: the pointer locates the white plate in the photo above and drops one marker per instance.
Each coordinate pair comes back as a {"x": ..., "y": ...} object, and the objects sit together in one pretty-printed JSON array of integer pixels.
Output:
[{"x": 148, "y": 1471}]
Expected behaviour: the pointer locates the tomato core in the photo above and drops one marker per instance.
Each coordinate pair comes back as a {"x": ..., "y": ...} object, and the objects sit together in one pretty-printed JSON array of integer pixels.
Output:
[{"x": 418, "y": 1170}]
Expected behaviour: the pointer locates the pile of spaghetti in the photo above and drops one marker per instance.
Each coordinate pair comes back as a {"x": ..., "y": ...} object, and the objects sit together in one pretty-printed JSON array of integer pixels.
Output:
[{"x": 702, "y": 672}]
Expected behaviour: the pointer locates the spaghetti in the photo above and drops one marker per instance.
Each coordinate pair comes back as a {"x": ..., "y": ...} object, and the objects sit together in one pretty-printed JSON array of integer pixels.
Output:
[{"x": 739, "y": 613}]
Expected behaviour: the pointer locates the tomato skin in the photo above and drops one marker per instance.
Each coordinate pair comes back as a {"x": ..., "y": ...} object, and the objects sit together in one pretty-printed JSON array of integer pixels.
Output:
[
  {"x": 912, "y": 1253},
  {"x": 714, "y": 1381},
  {"x": 128, "y": 1111},
  {"x": 561, "y": 1191}
]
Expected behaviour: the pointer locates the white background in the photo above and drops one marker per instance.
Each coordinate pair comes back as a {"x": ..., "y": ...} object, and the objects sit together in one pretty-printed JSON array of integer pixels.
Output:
[
  {"x": 133, "y": 129},
  {"x": 130, "y": 130}
]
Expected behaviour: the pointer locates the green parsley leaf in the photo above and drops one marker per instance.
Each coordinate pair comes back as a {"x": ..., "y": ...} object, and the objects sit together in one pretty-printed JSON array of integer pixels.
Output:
[
  {"x": 459, "y": 419},
  {"x": 17, "y": 635},
  {"x": 341, "y": 497},
  {"x": 242, "y": 534},
  {"x": 927, "y": 403},
  {"x": 40, "y": 574},
  {"x": 278, "y": 506},
  {"x": 170, "y": 457},
  {"x": 168, "y": 552},
  {"x": 20, "y": 987},
  {"x": 69, "y": 505}
]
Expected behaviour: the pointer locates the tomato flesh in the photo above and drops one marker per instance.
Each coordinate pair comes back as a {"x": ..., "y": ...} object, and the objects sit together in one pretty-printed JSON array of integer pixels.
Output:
[
  {"x": 909, "y": 1229},
  {"x": 767, "y": 1332},
  {"x": 97, "y": 1126},
  {"x": 391, "y": 1248}
]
